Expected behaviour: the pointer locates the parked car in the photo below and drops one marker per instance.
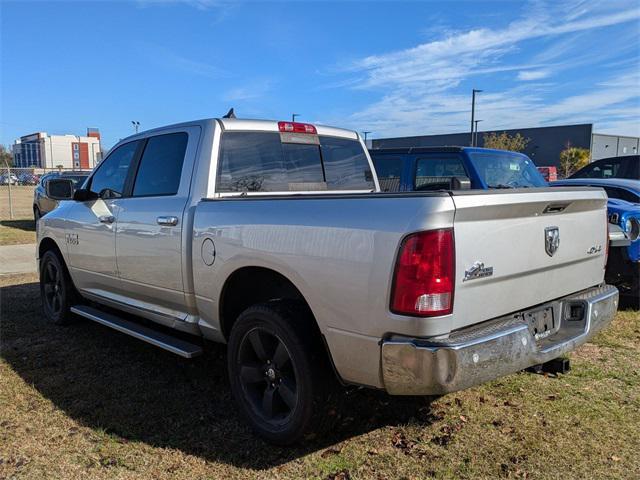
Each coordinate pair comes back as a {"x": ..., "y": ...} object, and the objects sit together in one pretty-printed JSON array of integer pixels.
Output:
[
  {"x": 623, "y": 267},
  {"x": 42, "y": 202},
  {"x": 28, "y": 179},
  {"x": 8, "y": 179},
  {"x": 436, "y": 168},
  {"x": 614, "y": 167},
  {"x": 273, "y": 237},
  {"x": 550, "y": 174}
]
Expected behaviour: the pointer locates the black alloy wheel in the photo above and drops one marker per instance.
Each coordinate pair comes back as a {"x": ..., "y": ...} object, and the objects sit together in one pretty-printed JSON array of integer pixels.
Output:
[
  {"x": 275, "y": 370},
  {"x": 267, "y": 375},
  {"x": 56, "y": 289}
]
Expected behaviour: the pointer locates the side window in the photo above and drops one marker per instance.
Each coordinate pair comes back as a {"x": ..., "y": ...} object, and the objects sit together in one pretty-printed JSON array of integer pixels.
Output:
[
  {"x": 621, "y": 194},
  {"x": 605, "y": 169},
  {"x": 389, "y": 170},
  {"x": 433, "y": 172},
  {"x": 160, "y": 167},
  {"x": 112, "y": 172}
]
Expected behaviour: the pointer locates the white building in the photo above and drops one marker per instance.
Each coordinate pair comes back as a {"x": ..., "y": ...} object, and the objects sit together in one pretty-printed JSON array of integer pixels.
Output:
[{"x": 41, "y": 150}]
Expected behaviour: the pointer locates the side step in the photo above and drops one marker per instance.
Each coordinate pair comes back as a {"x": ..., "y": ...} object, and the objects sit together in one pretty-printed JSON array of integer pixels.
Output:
[{"x": 146, "y": 334}]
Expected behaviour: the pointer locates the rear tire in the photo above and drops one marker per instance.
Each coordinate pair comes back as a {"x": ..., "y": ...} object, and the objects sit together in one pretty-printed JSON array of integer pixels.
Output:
[
  {"x": 273, "y": 370},
  {"x": 56, "y": 289}
]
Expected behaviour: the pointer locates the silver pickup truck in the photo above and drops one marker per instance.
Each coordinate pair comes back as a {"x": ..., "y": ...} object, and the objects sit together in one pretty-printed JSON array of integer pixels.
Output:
[{"x": 273, "y": 237}]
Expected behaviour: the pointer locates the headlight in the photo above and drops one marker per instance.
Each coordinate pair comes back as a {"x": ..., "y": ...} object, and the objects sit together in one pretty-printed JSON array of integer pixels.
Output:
[{"x": 632, "y": 228}]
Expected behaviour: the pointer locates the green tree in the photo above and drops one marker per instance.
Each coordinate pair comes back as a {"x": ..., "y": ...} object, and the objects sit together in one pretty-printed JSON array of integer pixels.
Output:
[
  {"x": 5, "y": 157},
  {"x": 573, "y": 159},
  {"x": 504, "y": 141}
]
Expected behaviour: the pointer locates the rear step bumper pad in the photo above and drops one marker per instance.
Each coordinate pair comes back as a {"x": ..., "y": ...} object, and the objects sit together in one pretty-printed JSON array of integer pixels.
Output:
[
  {"x": 477, "y": 354},
  {"x": 146, "y": 334}
]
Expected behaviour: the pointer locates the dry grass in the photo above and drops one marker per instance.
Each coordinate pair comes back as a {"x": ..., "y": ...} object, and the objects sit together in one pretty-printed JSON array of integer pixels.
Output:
[
  {"x": 87, "y": 402},
  {"x": 22, "y": 228},
  {"x": 22, "y": 200}
]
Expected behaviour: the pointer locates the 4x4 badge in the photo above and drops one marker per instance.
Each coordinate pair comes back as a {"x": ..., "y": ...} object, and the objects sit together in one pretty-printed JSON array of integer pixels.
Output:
[{"x": 551, "y": 240}]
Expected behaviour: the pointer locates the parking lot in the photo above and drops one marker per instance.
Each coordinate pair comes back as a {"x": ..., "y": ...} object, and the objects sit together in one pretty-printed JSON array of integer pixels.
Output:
[{"x": 86, "y": 402}]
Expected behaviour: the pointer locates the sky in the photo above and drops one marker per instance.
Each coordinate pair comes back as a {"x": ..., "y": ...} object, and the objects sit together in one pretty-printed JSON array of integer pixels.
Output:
[{"x": 391, "y": 68}]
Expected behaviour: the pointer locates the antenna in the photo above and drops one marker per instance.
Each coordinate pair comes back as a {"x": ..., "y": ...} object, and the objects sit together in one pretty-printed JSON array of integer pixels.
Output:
[{"x": 230, "y": 114}]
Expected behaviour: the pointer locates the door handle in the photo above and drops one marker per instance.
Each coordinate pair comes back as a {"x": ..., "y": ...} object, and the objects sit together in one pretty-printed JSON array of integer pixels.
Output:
[
  {"x": 169, "y": 221},
  {"x": 106, "y": 218}
]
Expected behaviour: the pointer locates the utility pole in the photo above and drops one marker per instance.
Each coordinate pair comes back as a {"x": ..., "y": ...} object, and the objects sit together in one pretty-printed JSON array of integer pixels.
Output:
[
  {"x": 475, "y": 138},
  {"x": 136, "y": 125},
  {"x": 293, "y": 116},
  {"x": 473, "y": 110}
]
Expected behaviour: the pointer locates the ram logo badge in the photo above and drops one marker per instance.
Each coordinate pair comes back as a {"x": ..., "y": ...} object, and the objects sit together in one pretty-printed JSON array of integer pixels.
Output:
[
  {"x": 551, "y": 240},
  {"x": 477, "y": 270}
]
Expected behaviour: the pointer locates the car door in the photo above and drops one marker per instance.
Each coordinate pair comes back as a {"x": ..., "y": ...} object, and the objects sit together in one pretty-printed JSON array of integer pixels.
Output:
[
  {"x": 150, "y": 227},
  {"x": 90, "y": 234}
]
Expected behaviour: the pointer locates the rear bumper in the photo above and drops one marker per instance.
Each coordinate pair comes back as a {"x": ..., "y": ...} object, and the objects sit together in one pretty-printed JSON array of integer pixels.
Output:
[{"x": 477, "y": 354}]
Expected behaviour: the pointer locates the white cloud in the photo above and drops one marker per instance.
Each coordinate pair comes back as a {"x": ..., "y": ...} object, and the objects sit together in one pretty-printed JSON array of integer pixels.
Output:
[
  {"x": 421, "y": 84},
  {"x": 528, "y": 75},
  {"x": 251, "y": 91}
]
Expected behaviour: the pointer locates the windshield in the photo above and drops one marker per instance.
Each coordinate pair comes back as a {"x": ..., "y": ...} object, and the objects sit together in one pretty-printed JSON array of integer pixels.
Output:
[{"x": 506, "y": 170}]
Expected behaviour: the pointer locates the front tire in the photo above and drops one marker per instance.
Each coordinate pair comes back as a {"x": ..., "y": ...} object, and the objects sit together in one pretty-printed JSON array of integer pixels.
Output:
[
  {"x": 272, "y": 370},
  {"x": 56, "y": 289}
]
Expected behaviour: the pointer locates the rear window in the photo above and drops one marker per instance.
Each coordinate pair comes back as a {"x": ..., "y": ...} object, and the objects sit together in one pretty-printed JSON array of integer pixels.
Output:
[{"x": 261, "y": 162}]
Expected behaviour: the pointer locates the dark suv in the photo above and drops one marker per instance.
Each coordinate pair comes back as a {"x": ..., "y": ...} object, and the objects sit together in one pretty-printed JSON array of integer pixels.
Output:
[
  {"x": 613, "y": 167},
  {"x": 42, "y": 204}
]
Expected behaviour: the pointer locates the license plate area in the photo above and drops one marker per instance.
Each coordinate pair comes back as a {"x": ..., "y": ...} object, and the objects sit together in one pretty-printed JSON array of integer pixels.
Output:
[{"x": 541, "y": 323}]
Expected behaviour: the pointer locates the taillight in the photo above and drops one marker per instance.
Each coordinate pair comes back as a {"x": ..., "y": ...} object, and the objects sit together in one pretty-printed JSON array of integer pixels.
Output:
[
  {"x": 296, "y": 127},
  {"x": 424, "y": 278}
]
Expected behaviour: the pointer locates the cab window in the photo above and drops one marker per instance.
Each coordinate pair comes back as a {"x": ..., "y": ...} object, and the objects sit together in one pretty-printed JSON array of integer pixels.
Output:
[
  {"x": 389, "y": 170},
  {"x": 111, "y": 175},
  {"x": 160, "y": 167}
]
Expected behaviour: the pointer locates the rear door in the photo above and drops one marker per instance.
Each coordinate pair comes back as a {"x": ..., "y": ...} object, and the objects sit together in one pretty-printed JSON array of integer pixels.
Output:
[
  {"x": 519, "y": 248},
  {"x": 150, "y": 228}
]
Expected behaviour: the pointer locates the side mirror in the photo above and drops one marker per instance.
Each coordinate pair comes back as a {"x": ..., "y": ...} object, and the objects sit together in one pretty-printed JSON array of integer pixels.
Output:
[
  {"x": 60, "y": 189},
  {"x": 460, "y": 183},
  {"x": 83, "y": 195}
]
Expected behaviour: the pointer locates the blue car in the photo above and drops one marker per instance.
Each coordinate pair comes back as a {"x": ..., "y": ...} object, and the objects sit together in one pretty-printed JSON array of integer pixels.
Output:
[
  {"x": 623, "y": 267},
  {"x": 442, "y": 168}
]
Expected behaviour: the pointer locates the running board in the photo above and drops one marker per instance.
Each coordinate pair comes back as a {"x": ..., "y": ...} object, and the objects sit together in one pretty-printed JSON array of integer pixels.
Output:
[{"x": 146, "y": 334}]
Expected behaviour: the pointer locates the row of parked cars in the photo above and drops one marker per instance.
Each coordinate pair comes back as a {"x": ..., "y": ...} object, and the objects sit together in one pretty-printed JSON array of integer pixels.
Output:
[
  {"x": 283, "y": 241},
  {"x": 19, "y": 179}
]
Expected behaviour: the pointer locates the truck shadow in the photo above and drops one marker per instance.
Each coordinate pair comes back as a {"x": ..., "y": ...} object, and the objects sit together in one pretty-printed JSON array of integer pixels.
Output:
[
  {"x": 107, "y": 380},
  {"x": 28, "y": 225}
]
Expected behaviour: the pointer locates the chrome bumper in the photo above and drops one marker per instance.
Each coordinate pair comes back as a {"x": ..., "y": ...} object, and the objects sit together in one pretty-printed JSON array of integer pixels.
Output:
[{"x": 483, "y": 352}]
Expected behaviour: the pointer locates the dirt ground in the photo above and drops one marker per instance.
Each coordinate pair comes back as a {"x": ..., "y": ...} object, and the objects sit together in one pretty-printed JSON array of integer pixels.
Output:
[{"x": 87, "y": 402}]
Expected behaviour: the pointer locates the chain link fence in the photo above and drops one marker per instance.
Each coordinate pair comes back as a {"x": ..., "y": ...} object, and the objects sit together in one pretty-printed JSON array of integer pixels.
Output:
[{"x": 16, "y": 190}]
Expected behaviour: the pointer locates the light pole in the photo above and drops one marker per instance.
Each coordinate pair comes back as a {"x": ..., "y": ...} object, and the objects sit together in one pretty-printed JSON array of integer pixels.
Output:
[
  {"x": 473, "y": 110},
  {"x": 293, "y": 116},
  {"x": 475, "y": 138},
  {"x": 136, "y": 125},
  {"x": 365, "y": 136}
]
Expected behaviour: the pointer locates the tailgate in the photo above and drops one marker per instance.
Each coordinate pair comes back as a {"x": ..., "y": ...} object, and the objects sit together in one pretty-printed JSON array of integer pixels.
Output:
[{"x": 520, "y": 248}]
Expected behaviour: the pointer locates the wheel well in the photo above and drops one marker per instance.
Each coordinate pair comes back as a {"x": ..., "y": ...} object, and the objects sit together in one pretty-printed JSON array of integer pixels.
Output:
[
  {"x": 251, "y": 285},
  {"x": 48, "y": 244}
]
